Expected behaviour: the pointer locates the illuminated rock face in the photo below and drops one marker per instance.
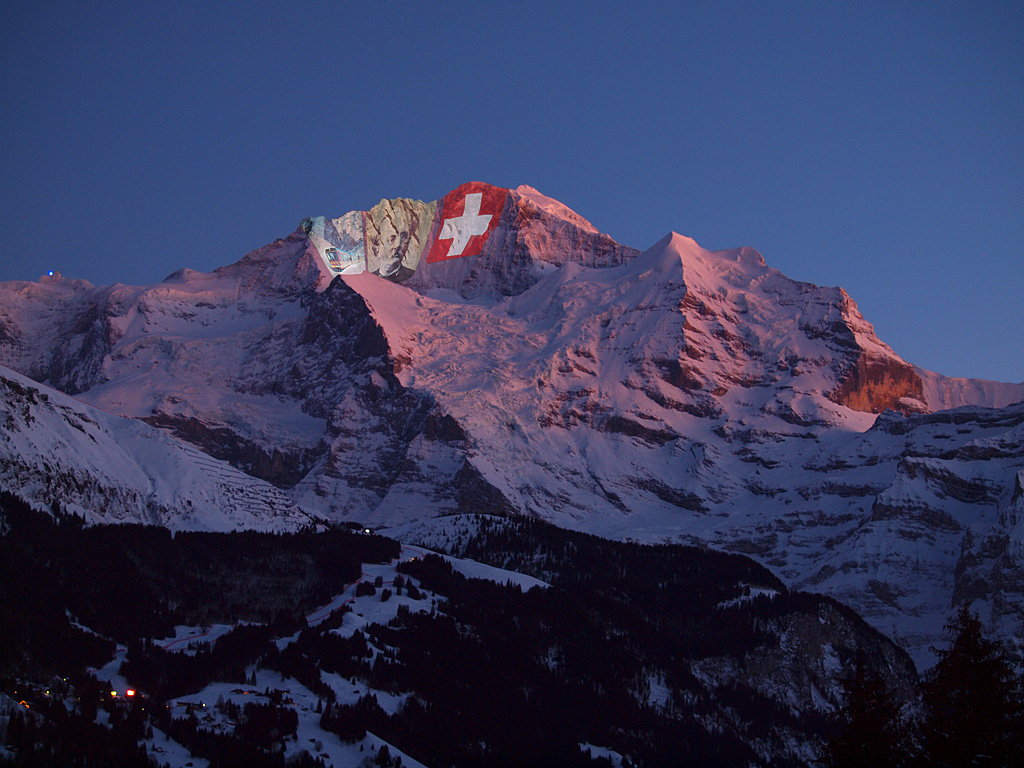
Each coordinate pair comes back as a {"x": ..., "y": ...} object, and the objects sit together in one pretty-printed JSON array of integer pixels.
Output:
[
  {"x": 874, "y": 385},
  {"x": 340, "y": 242}
]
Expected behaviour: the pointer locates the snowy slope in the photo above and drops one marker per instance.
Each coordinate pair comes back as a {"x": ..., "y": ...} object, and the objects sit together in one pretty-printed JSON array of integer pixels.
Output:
[
  {"x": 54, "y": 449},
  {"x": 692, "y": 396}
]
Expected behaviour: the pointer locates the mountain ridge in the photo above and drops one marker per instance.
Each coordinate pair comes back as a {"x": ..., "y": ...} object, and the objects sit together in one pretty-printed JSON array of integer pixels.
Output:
[{"x": 674, "y": 394}]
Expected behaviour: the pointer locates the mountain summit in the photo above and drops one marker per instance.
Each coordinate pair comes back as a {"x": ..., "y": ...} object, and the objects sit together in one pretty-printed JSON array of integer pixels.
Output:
[{"x": 492, "y": 351}]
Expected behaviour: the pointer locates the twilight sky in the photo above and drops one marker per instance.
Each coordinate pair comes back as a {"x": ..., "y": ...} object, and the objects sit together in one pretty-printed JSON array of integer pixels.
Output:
[{"x": 874, "y": 145}]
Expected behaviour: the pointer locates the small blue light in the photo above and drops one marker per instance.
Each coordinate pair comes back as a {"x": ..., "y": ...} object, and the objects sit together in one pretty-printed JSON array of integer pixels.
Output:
[{"x": 50, "y": 273}]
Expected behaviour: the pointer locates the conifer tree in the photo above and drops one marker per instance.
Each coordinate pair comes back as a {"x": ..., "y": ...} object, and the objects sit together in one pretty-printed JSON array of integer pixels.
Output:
[
  {"x": 972, "y": 701},
  {"x": 874, "y": 731}
]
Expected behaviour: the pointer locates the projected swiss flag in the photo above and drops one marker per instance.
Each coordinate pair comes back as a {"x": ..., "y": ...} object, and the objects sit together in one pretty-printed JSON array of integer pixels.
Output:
[{"x": 468, "y": 216}]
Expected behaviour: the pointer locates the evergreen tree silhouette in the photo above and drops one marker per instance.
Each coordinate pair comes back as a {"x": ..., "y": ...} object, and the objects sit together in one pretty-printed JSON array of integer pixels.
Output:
[
  {"x": 972, "y": 701},
  {"x": 874, "y": 732}
]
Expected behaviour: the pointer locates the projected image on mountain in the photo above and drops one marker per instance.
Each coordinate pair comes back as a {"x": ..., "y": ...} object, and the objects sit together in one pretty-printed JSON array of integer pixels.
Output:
[
  {"x": 469, "y": 214},
  {"x": 397, "y": 234},
  {"x": 391, "y": 238},
  {"x": 339, "y": 242}
]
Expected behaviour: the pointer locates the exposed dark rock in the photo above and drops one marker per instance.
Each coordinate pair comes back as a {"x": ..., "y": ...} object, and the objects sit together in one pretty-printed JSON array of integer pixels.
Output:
[
  {"x": 474, "y": 494},
  {"x": 677, "y": 497},
  {"x": 283, "y": 469},
  {"x": 682, "y": 377},
  {"x": 626, "y": 426},
  {"x": 917, "y": 516}
]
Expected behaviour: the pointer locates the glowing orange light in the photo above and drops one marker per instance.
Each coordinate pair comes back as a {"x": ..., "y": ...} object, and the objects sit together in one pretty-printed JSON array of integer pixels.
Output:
[{"x": 130, "y": 692}]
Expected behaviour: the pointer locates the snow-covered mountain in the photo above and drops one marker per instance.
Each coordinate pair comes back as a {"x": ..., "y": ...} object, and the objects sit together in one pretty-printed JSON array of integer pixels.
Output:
[
  {"x": 56, "y": 450},
  {"x": 673, "y": 394}
]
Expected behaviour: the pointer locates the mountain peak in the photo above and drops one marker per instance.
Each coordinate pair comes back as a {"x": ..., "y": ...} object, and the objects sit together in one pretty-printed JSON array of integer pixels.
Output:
[
  {"x": 553, "y": 207},
  {"x": 732, "y": 269},
  {"x": 688, "y": 248}
]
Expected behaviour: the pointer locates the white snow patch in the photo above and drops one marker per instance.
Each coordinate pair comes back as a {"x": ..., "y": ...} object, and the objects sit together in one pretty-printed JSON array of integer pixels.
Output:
[
  {"x": 185, "y": 636},
  {"x": 596, "y": 751},
  {"x": 167, "y": 752},
  {"x": 754, "y": 593}
]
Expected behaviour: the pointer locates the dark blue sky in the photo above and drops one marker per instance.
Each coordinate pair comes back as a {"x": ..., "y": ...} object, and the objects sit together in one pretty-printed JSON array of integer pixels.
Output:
[{"x": 876, "y": 146}]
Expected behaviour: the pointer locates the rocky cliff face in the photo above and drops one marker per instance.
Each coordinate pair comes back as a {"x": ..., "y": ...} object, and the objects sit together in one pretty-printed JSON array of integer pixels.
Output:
[
  {"x": 872, "y": 378},
  {"x": 930, "y": 504},
  {"x": 880, "y": 384},
  {"x": 826, "y": 639},
  {"x": 676, "y": 394}
]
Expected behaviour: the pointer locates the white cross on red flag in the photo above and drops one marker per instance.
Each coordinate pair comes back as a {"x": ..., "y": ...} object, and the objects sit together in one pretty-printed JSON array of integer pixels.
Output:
[{"x": 468, "y": 215}]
